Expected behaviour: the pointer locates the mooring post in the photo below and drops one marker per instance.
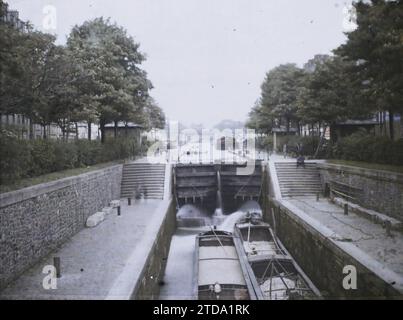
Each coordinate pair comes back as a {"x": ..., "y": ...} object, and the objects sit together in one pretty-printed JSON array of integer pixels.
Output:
[
  {"x": 118, "y": 210},
  {"x": 56, "y": 264},
  {"x": 388, "y": 226},
  {"x": 345, "y": 209}
]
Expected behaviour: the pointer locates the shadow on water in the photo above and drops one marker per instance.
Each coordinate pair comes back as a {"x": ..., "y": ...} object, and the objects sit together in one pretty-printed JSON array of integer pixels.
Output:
[{"x": 177, "y": 282}]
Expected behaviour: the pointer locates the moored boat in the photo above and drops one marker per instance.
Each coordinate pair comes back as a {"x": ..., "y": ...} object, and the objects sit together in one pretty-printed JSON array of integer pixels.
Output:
[
  {"x": 218, "y": 272},
  {"x": 273, "y": 273}
]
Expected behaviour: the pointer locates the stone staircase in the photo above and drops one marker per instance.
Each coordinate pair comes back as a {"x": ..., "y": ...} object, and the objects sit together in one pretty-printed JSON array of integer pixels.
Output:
[
  {"x": 149, "y": 178},
  {"x": 295, "y": 182}
]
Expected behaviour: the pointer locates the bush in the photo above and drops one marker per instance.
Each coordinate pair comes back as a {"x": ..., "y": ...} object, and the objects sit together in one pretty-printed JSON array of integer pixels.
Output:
[
  {"x": 88, "y": 152},
  {"x": 30, "y": 158},
  {"x": 265, "y": 143},
  {"x": 15, "y": 159},
  {"x": 362, "y": 147},
  {"x": 43, "y": 157},
  {"x": 308, "y": 144},
  {"x": 66, "y": 156}
]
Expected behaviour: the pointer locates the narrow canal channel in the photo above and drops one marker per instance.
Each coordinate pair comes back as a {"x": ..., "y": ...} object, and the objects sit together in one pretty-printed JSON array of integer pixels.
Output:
[{"x": 178, "y": 279}]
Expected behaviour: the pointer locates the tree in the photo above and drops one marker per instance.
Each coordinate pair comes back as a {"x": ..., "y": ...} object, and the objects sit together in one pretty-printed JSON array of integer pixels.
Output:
[
  {"x": 376, "y": 49},
  {"x": 259, "y": 119},
  {"x": 330, "y": 95},
  {"x": 279, "y": 93},
  {"x": 25, "y": 67},
  {"x": 113, "y": 82}
]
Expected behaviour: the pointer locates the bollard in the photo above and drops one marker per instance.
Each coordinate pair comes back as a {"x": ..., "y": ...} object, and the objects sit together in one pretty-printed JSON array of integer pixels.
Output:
[
  {"x": 388, "y": 226},
  {"x": 129, "y": 201},
  {"x": 56, "y": 264},
  {"x": 345, "y": 209},
  {"x": 118, "y": 210}
]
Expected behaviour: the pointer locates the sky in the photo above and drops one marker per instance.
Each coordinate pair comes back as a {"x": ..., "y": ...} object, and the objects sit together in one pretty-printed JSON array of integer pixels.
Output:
[{"x": 206, "y": 58}]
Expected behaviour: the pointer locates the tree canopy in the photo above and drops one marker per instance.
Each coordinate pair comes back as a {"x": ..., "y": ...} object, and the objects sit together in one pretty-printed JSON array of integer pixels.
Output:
[
  {"x": 96, "y": 77},
  {"x": 364, "y": 76}
]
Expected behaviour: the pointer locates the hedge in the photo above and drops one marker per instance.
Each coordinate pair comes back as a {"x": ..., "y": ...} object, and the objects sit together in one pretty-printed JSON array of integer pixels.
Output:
[
  {"x": 363, "y": 147},
  {"x": 30, "y": 158}
]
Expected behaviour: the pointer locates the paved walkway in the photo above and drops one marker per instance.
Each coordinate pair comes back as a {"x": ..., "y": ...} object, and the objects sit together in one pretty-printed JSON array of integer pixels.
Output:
[
  {"x": 94, "y": 260},
  {"x": 360, "y": 237}
]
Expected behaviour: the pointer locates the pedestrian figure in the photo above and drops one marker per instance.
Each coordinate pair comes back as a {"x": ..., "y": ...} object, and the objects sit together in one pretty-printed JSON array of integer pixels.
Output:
[
  {"x": 301, "y": 161},
  {"x": 285, "y": 150}
]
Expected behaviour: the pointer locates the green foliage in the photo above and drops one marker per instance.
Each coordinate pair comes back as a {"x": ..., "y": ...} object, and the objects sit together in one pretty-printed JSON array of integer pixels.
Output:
[
  {"x": 362, "y": 147},
  {"x": 30, "y": 158},
  {"x": 43, "y": 157},
  {"x": 279, "y": 93},
  {"x": 15, "y": 157},
  {"x": 94, "y": 78},
  {"x": 299, "y": 145},
  {"x": 364, "y": 76},
  {"x": 265, "y": 143},
  {"x": 65, "y": 155},
  {"x": 376, "y": 47}
]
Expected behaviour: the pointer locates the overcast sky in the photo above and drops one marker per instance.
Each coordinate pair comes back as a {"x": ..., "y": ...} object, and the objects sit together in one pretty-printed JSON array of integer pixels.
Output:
[{"x": 208, "y": 58}]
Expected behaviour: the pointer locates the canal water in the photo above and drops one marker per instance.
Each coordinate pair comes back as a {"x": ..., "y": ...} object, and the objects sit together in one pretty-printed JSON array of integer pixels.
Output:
[{"x": 177, "y": 281}]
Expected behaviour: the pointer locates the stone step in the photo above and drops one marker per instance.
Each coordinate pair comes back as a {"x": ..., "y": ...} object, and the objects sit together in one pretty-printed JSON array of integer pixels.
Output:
[
  {"x": 131, "y": 193},
  {"x": 291, "y": 190},
  {"x": 148, "y": 191},
  {"x": 149, "y": 176},
  {"x": 300, "y": 185},
  {"x": 157, "y": 179},
  {"x": 289, "y": 177},
  {"x": 144, "y": 165},
  {"x": 146, "y": 187},
  {"x": 298, "y": 172},
  {"x": 299, "y": 181},
  {"x": 143, "y": 168},
  {"x": 143, "y": 174}
]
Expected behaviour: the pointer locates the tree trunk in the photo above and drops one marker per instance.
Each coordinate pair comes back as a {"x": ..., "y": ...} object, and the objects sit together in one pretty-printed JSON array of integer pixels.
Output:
[
  {"x": 102, "y": 127},
  {"x": 31, "y": 130},
  {"x": 391, "y": 125},
  {"x": 89, "y": 130},
  {"x": 333, "y": 135},
  {"x": 115, "y": 132},
  {"x": 76, "y": 125},
  {"x": 44, "y": 131}
]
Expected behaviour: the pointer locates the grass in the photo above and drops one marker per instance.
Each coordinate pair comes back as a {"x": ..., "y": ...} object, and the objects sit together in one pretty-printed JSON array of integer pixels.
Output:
[
  {"x": 28, "y": 182},
  {"x": 368, "y": 165}
]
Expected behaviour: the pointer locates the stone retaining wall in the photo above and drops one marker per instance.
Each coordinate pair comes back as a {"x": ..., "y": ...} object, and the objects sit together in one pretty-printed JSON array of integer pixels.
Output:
[
  {"x": 34, "y": 221},
  {"x": 322, "y": 260},
  {"x": 382, "y": 191},
  {"x": 153, "y": 272}
]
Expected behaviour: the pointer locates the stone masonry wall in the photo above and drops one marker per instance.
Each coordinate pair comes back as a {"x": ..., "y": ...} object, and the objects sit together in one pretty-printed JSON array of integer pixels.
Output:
[
  {"x": 382, "y": 191},
  {"x": 322, "y": 260},
  {"x": 34, "y": 221}
]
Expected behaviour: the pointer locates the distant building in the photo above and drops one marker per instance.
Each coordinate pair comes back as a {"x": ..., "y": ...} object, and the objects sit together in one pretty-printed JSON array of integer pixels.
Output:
[
  {"x": 378, "y": 125},
  {"x": 130, "y": 130},
  {"x": 22, "y": 124},
  {"x": 11, "y": 17}
]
